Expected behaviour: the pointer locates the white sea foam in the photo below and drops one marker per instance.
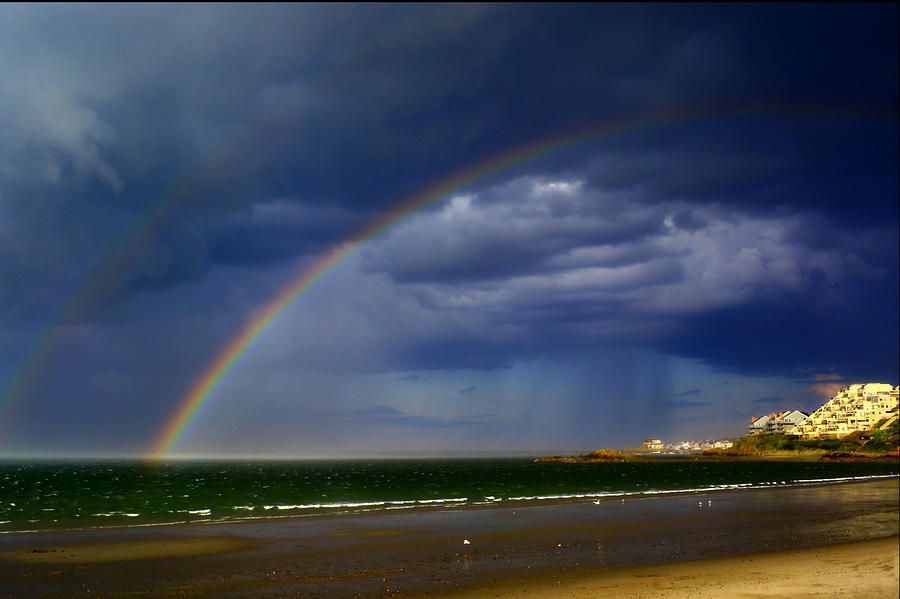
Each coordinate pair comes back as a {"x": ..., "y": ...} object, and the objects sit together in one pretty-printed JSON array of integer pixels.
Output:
[
  {"x": 690, "y": 490},
  {"x": 844, "y": 478},
  {"x": 567, "y": 496},
  {"x": 388, "y": 504}
]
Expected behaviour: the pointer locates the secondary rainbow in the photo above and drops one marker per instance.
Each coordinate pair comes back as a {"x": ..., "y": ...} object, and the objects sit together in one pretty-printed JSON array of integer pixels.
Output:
[
  {"x": 109, "y": 271},
  {"x": 200, "y": 391}
]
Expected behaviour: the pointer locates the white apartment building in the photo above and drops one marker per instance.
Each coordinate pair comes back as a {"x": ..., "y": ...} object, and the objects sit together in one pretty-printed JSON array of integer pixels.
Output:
[{"x": 854, "y": 408}]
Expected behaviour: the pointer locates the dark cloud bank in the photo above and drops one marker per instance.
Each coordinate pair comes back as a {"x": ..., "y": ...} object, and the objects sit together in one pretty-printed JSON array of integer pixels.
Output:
[{"x": 760, "y": 243}]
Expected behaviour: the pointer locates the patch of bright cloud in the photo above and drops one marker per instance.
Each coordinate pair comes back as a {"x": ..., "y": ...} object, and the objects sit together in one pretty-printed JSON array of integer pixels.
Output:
[
  {"x": 825, "y": 391},
  {"x": 827, "y": 377}
]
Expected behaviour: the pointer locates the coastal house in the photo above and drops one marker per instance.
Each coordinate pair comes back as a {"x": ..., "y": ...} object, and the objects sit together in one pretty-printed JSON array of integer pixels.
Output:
[
  {"x": 757, "y": 426},
  {"x": 785, "y": 422},
  {"x": 690, "y": 446},
  {"x": 776, "y": 423},
  {"x": 856, "y": 407},
  {"x": 654, "y": 444}
]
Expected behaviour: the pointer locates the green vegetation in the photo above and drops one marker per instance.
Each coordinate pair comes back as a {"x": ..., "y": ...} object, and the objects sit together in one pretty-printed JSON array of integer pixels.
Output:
[
  {"x": 870, "y": 442},
  {"x": 888, "y": 439},
  {"x": 609, "y": 455},
  {"x": 598, "y": 455}
]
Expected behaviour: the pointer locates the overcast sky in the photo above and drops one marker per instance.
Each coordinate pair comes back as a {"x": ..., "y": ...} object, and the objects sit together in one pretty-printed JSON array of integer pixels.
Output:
[{"x": 724, "y": 245}]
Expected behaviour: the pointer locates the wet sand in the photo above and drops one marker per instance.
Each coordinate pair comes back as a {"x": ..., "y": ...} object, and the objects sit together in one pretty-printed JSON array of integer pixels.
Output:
[
  {"x": 86, "y": 553},
  {"x": 639, "y": 548}
]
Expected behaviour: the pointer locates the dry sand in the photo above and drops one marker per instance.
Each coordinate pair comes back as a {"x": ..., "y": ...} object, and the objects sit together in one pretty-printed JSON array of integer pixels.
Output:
[{"x": 866, "y": 569}]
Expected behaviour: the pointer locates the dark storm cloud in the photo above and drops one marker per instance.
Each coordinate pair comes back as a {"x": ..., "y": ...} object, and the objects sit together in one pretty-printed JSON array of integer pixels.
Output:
[
  {"x": 279, "y": 230},
  {"x": 798, "y": 331},
  {"x": 736, "y": 288},
  {"x": 359, "y": 106},
  {"x": 239, "y": 142},
  {"x": 525, "y": 227},
  {"x": 811, "y": 161}
]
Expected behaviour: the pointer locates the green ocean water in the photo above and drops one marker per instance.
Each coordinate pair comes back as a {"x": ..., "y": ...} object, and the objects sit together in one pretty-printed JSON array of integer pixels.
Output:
[{"x": 47, "y": 496}]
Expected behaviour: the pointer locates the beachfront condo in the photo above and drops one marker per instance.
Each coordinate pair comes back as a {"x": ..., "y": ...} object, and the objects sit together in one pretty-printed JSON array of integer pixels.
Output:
[{"x": 854, "y": 408}]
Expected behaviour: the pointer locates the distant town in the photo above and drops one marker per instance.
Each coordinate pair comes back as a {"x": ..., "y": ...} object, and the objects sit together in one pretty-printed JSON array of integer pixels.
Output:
[
  {"x": 856, "y": 408},
  {"x": 657, "y": 446}
]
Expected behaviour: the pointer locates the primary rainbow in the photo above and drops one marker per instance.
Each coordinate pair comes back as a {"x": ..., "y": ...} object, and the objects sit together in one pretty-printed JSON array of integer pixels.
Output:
[{"x": 202, "y": 388}]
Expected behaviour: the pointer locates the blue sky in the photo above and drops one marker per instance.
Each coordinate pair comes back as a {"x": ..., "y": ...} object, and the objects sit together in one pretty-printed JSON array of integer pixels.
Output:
[{"x": 669, "y": 281}]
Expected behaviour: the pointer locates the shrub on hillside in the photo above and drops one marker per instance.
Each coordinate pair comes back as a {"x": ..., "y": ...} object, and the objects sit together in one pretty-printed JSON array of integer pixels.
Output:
[{"x": 886, "y": 439}]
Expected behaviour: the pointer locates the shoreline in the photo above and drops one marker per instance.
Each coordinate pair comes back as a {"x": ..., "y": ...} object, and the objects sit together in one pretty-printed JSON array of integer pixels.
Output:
[
  {"x": 794, "y": 455},
  {"x": 450, "y": 503},
  {"x": 414, "y": 553}
]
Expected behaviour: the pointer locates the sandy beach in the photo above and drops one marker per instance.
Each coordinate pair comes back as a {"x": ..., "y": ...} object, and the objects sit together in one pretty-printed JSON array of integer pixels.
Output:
[
  {"x": 816, "y": 541},
  {"x": 862, "y": 569}
]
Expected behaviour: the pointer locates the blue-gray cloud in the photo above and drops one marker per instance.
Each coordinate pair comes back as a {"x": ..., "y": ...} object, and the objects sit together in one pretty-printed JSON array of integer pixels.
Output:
[
  {"x": 165, "y": 170},
  {"x": 769, "y": 399},
  {"x": 680, "y": 403},
  {"x": 387, "y": 416}
]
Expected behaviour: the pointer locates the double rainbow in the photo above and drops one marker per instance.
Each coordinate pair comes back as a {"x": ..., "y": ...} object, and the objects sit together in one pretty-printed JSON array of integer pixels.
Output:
[
  {"x": 202, "y": 388},
  {"x": 125, "y": 253},
  {"x": 215, "y": 373}
]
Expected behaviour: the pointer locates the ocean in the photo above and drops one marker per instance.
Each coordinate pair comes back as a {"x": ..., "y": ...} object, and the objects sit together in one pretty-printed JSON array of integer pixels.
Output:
[{"x": 41, "y": 496}]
